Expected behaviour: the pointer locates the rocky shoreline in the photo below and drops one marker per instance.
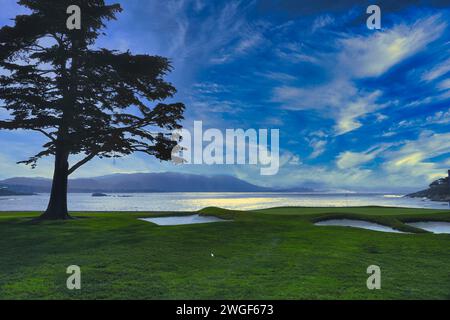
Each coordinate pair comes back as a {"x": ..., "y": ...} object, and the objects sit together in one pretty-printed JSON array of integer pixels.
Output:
[
  {"x": 439, "y": 190},
  {"x": 429, "y": 194}
]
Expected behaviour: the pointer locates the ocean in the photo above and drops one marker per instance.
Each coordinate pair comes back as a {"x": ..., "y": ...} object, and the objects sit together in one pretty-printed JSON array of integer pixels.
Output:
[{"x": 196, "y": 201}]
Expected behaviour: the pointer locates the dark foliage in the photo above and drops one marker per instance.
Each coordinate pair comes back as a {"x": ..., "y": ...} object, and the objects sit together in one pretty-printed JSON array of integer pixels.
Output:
[{"x": 85, "y": 100}]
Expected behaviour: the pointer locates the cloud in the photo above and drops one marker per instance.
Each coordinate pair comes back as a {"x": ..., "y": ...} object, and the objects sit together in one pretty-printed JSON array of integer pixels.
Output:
[
  {"x": 232, "y": 36},
  {"x": 444, "y": 85},
  {"x": 372, "y": 56},
  {"x": 414, "y": 158},
  {"x": 317, "y": 140},
  {"x": 305, "y": 8},
  {"x": 193, "y": 33},
  {"x": 404, "y": 165},
  {"x": 209, "y": 88},
  {"x": 319, "y": 147},
  {"x": 294, "y": 52},
  {"x": 348, "y": 159},
  {"x": 411, "y": 160},
  {"x": 340, "y": 100},
  {"x": 438, "y": 118},
  {"x": 329, "y": 96},
  {"x": 437, "y": 71},
  {"x": 359, "y": 57},
  {"x": 347, "y": 119},
  {"x": 322, "y": 21},
  {"x": 277, "y": 76}
]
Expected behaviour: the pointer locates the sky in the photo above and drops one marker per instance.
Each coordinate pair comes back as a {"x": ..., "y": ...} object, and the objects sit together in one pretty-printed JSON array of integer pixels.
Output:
[{"x": 357, "y": 109}]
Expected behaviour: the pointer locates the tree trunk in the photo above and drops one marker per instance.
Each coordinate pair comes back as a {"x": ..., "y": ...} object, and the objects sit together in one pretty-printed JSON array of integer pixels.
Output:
[{"x": 57, "y": 207}]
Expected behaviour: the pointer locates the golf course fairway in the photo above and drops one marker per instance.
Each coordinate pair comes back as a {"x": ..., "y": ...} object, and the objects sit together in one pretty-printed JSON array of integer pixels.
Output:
[{"x": 267, "y": 254}]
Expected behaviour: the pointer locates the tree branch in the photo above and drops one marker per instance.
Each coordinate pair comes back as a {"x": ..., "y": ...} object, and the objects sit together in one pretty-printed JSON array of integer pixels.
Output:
[
  {"x": 48, "y": 135},
  {"x": 81, "y": 163}
]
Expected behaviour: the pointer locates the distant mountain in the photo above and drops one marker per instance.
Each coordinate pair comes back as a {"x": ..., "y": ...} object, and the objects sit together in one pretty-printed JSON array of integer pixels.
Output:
[
  {"x": 140, "y": 182},
  {"x": 41, "y": 185},
  {"x": 439, "y": 190},
  {"x": 294, "y": 189}
]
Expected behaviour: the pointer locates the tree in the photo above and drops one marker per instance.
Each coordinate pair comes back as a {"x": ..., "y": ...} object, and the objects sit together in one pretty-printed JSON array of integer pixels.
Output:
[{"x": 86, "y": 101}]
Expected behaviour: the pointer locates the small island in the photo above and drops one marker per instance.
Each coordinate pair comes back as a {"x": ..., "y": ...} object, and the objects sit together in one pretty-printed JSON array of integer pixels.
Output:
[
  {"x": 439, "y": 190},
  {"x": 99, "y": 194}
]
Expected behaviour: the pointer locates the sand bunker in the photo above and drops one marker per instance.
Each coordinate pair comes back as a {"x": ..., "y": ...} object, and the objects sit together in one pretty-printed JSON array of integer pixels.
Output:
[
  {"x": 183, "y": 220},
  {"x": 357, "y": 224},
  {"x": 432, "y": 226}
]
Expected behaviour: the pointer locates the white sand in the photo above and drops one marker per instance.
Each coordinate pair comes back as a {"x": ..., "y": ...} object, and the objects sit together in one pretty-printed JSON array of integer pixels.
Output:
[
  {"x": 182, "y": 220},
  {"x": 431, "y": 226},
  {"x": 357, "y": 224}
]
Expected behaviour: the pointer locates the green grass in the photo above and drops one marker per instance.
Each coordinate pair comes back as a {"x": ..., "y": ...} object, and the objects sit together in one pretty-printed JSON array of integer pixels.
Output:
[{"x": 266, "y": 254}]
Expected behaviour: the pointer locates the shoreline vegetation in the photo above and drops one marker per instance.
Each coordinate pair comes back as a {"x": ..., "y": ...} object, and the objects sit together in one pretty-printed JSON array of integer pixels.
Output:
[
  {"x": 439, "y": 190},
  {"x": 273, "y": 253}
]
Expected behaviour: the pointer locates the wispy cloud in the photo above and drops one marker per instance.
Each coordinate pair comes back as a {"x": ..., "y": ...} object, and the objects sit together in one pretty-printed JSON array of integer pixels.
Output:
[
  {"x": 437, "y": 71},
  {"x": 414, "y": 158},
  {"x": 359, "y": 57},
  {"x": 349, "y": 159},
  {"x": 322, "y": 21},
  {"x": 373, "y": 55}
]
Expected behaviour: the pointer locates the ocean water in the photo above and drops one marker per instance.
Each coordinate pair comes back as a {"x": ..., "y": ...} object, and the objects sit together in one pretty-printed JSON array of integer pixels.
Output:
[{"x": 196, "y": 201}]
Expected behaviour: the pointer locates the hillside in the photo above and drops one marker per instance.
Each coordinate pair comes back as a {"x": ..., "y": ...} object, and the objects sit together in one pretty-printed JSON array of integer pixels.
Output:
[
  {"x": 439, "y": 190},
  {"x": 140, "y": 182}
]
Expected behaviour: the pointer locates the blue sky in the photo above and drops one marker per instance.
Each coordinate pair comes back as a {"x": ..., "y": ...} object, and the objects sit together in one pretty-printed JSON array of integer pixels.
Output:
[{"x": 356, "y": 108}]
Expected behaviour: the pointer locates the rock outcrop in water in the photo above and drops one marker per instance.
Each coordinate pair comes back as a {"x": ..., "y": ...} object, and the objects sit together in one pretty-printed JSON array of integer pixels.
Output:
[
  {"x": 99, "y": 194},
  {"x": 439, "y": 190}
]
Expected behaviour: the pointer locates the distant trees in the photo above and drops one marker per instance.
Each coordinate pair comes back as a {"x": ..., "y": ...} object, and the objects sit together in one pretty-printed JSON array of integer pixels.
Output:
[
  {"x": 84, "y": 100},
  {"x": 443, "y": 182}
]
